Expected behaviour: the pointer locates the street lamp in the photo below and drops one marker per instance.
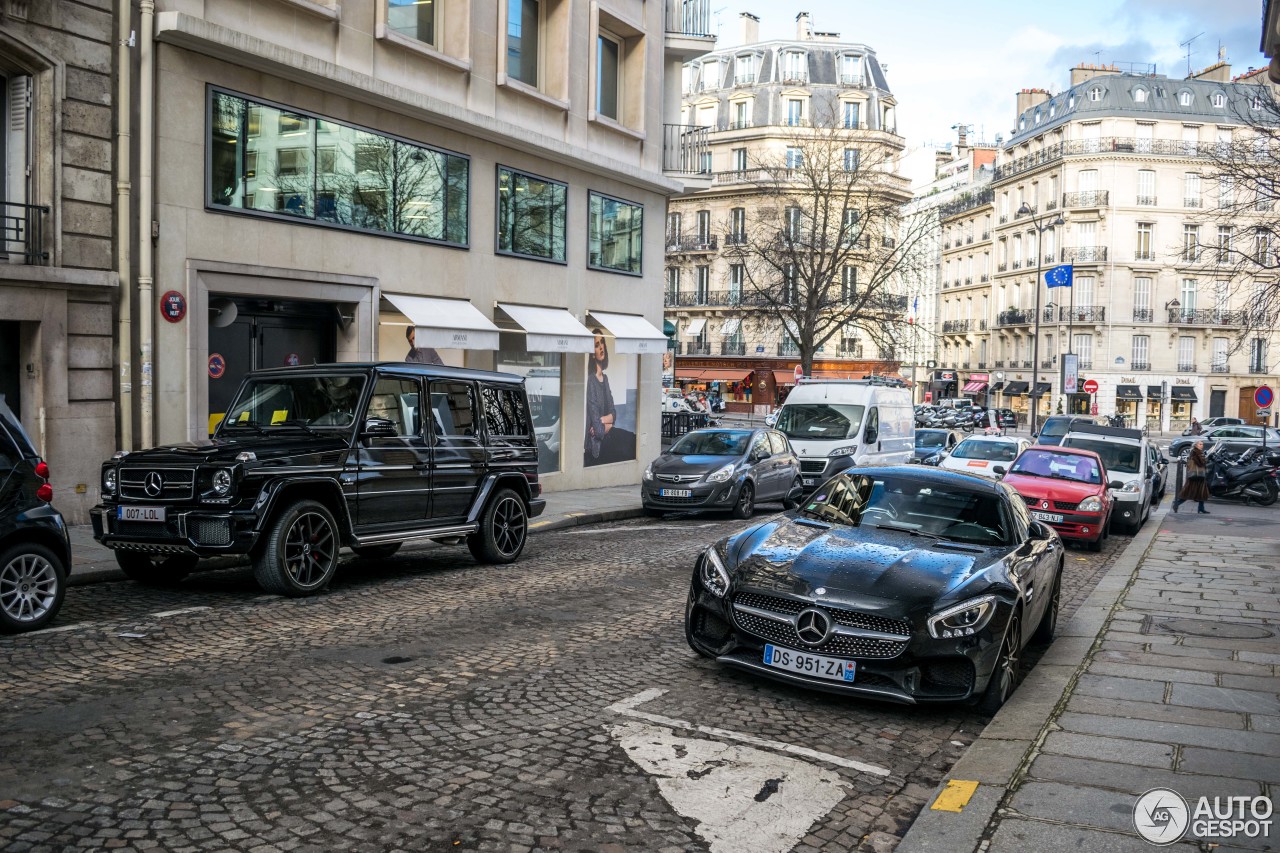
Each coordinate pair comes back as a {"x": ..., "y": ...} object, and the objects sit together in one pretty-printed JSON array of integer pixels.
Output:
[{"x": 1025, "y": 210}]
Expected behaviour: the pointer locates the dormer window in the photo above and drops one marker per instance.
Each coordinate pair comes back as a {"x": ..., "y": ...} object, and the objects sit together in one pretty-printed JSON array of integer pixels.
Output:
[
  {"x": 795, "y": 67},
  {"x": 1022, "y": 123},
  {"x": 1184, "y": 99},
  {"x": 1095, "y": 94},
  {"x": 1139, "y": 96},
  {"x": 710, "y": 74},
  {"x": 1071, "y": 102},
  {"x": 1053, "y": 109},
  {"x": 850, "y": 70},
  {"x": 1219, "y": 100},
  {"x": 744, "y": 70},
  {"x": 1037, "y": 116}
]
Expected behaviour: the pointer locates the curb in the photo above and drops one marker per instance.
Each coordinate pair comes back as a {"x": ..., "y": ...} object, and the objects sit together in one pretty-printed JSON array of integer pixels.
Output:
[
  {"x": 998, "y": 759},
  {"x": 92, "y": 574}
]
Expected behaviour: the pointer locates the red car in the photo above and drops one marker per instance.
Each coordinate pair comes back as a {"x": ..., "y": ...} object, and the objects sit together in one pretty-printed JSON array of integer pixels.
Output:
[{"x": 1067, "y": 489}]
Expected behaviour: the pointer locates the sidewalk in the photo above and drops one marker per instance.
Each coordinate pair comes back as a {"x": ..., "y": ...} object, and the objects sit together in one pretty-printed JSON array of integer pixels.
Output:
[
  {"x": 92, "y": 563},
  {"x": 1164, "y": 678}
]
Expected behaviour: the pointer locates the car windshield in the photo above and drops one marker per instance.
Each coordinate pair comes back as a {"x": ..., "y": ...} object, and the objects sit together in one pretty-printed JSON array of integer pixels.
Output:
[
  {"x": 924, "y": 438},
  {"x": 918, "y": 507},
  {"x": 1118, "y": 458},
  {"x": 712, "y": 443},
  {"x": 808, "y": 421},
  {"x": 1061, "y": 466},
  {"x": 295, "y": 401},
  {"x": 1055, "y": 427},
  {"x": 993, "y": 451}
]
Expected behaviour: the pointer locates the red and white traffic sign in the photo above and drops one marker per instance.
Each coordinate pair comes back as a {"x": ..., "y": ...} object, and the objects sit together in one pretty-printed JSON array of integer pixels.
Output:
[
  {"x": 1263, "y": 396},
  {"x": 1090, "y": 386}
]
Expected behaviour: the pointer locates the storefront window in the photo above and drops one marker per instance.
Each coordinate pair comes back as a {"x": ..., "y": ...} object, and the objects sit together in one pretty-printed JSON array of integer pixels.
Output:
[
  {"x": 531, "y": 215},
  {"x": 541, "y": 371},
  {"x": 616, "y": 234},
  {"x": 269, "y": 160}
]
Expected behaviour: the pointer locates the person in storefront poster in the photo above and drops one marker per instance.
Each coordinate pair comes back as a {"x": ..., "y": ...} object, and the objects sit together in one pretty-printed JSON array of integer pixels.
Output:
[
  {"x": 605, "y": 441},
  {"x": 417, "y": 355}
]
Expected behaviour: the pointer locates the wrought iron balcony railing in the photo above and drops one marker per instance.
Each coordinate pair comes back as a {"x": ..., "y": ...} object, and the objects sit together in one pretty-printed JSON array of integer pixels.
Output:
[
  {"x": 1015, "y": 317},
  {"x": 1085, "y": 254},
  {"x": 1220, "y": 367},
  {"x": 1092, "y": 198},
  {"x": 686, "y": 149},
  {"x": 1107, "y": 144},
  {"x": 1141, "y": 365},
  {"x": 1206, "y": 317},
  {"x": 691, "y": 243},
  {"x": 1078, "y": 314},
  {"x": 955, "y": 327},
  {"x": 22, "y": 232},
  {"x": 689, "y": 18},
  {"x": 697, "y": 348},
  {"x": 733, "y": 348},
  {"x": 1143, "y": 315},
  {"x": 1187, "y": 366}
]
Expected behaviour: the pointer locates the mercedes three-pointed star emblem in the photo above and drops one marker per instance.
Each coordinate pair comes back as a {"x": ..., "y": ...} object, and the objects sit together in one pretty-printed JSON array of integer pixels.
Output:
[
  {"x": 153, "y": 484},
  {"x": 813, "y": 626}
]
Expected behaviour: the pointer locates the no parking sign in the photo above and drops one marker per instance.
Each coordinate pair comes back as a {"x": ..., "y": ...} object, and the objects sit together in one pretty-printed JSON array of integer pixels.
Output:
[{"x": 217, "y": 365}]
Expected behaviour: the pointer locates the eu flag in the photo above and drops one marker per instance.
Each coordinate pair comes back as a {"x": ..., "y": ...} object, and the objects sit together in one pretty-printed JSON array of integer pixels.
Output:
[{"x": 1058, "y": 276}]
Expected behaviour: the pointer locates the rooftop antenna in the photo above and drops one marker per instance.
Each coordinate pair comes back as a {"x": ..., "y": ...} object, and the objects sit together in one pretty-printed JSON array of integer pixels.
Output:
[
  {"x": 1097, "y": 55},
  {"x": 718, "y": 22},
  {"x": 1187, "y": 45}
]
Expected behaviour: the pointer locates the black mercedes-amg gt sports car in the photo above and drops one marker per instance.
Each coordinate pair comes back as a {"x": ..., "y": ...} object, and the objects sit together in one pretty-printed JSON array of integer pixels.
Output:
[{"x": 906, "y": 584}]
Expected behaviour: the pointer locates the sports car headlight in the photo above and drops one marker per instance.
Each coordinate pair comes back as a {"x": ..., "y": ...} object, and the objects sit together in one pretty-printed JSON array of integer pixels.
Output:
[
  {"x": 648, "y": 472},
  {"x": 722, "y": 474},
  {"x": 713, "y": 574},
  {"x": 1132, "y": 487},
  {"x": 1093, "y": 504},
  {"x": 964, "y": 619},
  {"x": 222, "y": 482},
  {"x": 844, "y": 451},
  {"x": 109, "y": 481}
]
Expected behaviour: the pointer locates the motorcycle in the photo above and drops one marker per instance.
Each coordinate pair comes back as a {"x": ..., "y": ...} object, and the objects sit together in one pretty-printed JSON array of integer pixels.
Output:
[{"x": 1249, "y": 476}]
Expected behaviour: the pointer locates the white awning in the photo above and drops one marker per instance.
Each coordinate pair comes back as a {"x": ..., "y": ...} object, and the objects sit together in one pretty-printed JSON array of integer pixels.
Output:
[
  {"x": 730, "y": 327},
  {"x": 446, "y": 323},
  {"x": 695, "y": 327},
  {"x": 631, "y": 332},
  {"x": 549, "y": 329}
]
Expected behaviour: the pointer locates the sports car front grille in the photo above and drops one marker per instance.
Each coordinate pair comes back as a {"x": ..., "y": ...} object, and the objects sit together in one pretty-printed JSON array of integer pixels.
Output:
[
  {"x": 784, "y": 633},
  {"x": 848, "y": 618},
  {"x": 813, "y": 466}
]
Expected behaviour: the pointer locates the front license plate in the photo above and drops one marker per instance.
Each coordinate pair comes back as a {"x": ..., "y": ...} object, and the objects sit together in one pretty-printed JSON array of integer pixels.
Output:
[
  {"x": 832, "y": 669},
  {"x": 140, "y": 513},
  {"x": 809, "y": 481},
  {"x": 676, "y": 493},
  {"x": 1051, "y": 517}
]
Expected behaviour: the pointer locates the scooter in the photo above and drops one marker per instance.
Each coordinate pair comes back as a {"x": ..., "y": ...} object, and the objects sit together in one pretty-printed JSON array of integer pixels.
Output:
[{"x": 1248, "y": 477}]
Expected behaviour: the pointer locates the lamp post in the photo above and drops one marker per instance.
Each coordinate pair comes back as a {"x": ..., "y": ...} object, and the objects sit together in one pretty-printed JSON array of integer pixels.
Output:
[{"x": 1025, "y": 210}]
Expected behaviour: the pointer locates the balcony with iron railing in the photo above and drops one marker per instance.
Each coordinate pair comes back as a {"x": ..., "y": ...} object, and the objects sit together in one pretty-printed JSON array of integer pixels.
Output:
[
  {"x": 1085, "y": 364},
  {"x": 1255, "y": 367},
  {"x": 1026, "y": 363},
  {"x": 733, "y": 348},
  {"x": 1220, "y": 367},
  {"x": 691, "y": 243},
  {"x": 1046, "y": 364},
  {"x": 982, "y": 365},
  {"x": 1051, "y": 204},
  {"x": 22, "y": 232},
  {"x": 985, "y": 277},
  {"x": 691, "y": 18},
  {"x": 1206, "y": 317},
  {"x": 982, "y": 325},
  {"x": 1143, "y": 315},
  {"x": 1002, "y": 267},
  {"x": 1081, "y": 314},
  {"x": 1109, "y": 144},
  {"x": 966, "y": 202},
  {"x": 853, "y": 80},
  {"x": 714, "y": 299},
  {"x": 1085, "y": 255},
  {"x": 1087, "y": 199},
  {"x": 732, "y": 239},
  {"x": 1015, "y": 317},
  {"x": 1145, "y": 201},
  {"x": 686, "y": 149},
  {"x": 790, "y": 349},
  {"x": 1186, "y": 366},
  {"x": 1144, "y": 255},
  {"x": 1142, "y": 366},
  {"x": 1191, "y": 202},
  {"x": 697, "y": 348},
  {"x": 999, "y": 363},
  {"x": 956, "y": 327}
]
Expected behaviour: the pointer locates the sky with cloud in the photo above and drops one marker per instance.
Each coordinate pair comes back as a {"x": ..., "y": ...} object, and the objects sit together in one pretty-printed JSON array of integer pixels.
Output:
[{"x": 949, "y": 63}]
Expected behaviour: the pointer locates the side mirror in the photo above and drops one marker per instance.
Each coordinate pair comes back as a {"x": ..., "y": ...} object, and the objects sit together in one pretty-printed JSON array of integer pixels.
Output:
[
  {"x": 1115, "y": 484},
  {"x": 1040, "y": 531},
  {"x": 379, "y": 428},
  {"x": 771, "y": 419},
  {"x": 1000, "y": 469}
]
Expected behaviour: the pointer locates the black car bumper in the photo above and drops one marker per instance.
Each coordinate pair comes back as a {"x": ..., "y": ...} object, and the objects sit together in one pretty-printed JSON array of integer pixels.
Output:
[
  {"x": 920, "y": 670},
  {"x": 203, "y": 532}
]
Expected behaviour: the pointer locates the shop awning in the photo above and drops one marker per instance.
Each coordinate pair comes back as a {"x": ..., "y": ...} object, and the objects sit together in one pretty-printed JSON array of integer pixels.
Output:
[
  {"x": 730, "y": 327},
  {"x": 1183, "y": 394},
  {"x": 1128, "y": 392},
  {"x": 1041, "y": 389},
  {"x": 631, "y": 332},
  {"x": 689, "y": 373},
  {"x": 712, "y": 374},
  {"x": 974, "y": 387},
  {"x": 1015, "y": 388},
  {"x": 784, "y": 377},
  {"x": 549, "y": 329},
  {"x": 997, "y": 387},
  {"x": 695, "y": 327},
  {"x": 446, "y": 323},
  {"x": 1154, "y": 392},
  {"x": 668, "y": 328}
]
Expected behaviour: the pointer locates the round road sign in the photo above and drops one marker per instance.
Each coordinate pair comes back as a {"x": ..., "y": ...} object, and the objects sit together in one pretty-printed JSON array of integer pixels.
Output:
[
  {"x": 1263, "y": 396},
  {"x": 217, "y": 365},
  {"x": 1090, "y": 386}
]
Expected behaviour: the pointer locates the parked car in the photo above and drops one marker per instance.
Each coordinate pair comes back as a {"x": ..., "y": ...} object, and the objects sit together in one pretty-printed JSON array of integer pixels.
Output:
[
  {"x": 931, "y": 443},
  {"x": 729, "y": 470},
  {"x": 311, "y": 459},
  {"x": 1067, "y": 489},
  {"x": 35, "y": 551},
  {"x": 1159, "y": 464},
  {"x": 1126, "y": 455},
  {"x": 1056, "y": 426},
  {"x": 1210, "y": 423},
  {"x": 982, "y": 454},
  {"x": 1236, "y": 434},
  {"x": 1007, "y": 418},
  {"x": 908, "y": 584}
]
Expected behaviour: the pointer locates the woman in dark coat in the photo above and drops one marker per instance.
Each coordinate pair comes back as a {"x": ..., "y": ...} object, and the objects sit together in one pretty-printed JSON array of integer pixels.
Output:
[{"x": 1196, "y": 487}]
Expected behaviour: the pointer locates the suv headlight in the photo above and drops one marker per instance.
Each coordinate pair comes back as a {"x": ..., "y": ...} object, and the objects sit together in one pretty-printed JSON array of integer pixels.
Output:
[
  {"x": 963, "y": 619},
  {"x": 222, "y": 481},
  {"x": 1093, "y": 504},
  {"x": 1132, "y": 487},
  {"x": 109, "y": 481},
  {"x": 722, "y": 474},
  {"x": 713, "y": 574},
  {"x": 844, "y": 451}
]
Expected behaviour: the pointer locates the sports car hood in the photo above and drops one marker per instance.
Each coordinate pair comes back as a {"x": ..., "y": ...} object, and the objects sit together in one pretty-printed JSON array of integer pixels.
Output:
[{"x": 879, "y": 570}]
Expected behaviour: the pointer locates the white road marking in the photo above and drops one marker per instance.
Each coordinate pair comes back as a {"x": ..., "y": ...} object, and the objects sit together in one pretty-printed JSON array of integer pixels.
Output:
[
  {"x": 627, "y": 708},
  {"x": 75, "y": 626},
  {"x": 745, "y": 800},
  {"x": 162, "y": 614}
]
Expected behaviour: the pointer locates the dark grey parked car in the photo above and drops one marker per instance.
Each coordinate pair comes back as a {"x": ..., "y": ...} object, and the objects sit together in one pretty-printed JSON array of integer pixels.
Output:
[
  {"x": 725, "y": 470},
  {"x": 1234, "y": 434}
]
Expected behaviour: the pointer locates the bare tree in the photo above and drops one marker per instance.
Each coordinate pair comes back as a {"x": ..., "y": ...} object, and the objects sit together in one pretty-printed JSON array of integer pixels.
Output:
[{"x": 831, "y": 249}]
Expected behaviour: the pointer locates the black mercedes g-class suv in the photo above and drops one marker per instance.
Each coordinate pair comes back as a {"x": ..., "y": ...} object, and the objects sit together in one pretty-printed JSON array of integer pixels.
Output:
[{"x": 310, "y": 459}]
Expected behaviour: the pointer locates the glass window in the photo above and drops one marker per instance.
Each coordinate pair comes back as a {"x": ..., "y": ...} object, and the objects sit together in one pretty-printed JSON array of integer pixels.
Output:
[
  {"x": 849, "y": 114},
  {"x": 504, "y": 411},
  {"x": 522, "y": 40},
  {"x": 541, "y": 372},
  {"x": 795, "y": 158},
  {"x": 851, "y": 159},
  {"x": 396, "y": 400},
  {"x": 779, "y": 443},
  {"x": 810, "y": 421},
  {"x": 608, "y": 51},
  {"x": 413, "y": 18},
  {"x": 453, "y": 408},
  {"x": 531, "y": 215},
  {"x": 272, "y": 161},
  {"x": 615, "y": 237}
]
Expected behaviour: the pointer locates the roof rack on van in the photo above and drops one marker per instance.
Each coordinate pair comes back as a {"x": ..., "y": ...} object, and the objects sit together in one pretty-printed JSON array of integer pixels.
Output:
[
  {"x": 1114, "y": 432},
  {"x": 866, "y": 380}
]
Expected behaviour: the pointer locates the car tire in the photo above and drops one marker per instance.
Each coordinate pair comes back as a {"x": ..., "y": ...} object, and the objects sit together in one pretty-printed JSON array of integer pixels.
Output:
[
  {"x": 504, "y": 528},
  {"x": 1048, "y": 626},
  {"x": 300, "y": 553},
  {"x": 1008, "y": 669},
  {"x": 745, "y": 505},
  {"x": 33, "y": 582},
  {"x": 1096, "y": 545},
  {"x": 156, "y": 569},
  {"x": 376, "y": 552},
  {"x": 797, "y": 489}
]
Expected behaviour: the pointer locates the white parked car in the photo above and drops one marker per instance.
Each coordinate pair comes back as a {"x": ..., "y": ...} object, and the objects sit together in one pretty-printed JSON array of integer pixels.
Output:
[{"x": 982, "y": 454}]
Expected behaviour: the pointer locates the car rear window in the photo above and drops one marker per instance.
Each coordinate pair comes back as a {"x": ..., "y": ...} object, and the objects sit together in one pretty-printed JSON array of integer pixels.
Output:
[{"x": 1117, "y": 457}]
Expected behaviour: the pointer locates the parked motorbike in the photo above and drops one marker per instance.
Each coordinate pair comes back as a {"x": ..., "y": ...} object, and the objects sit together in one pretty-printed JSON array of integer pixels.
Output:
[{"x": 1249, "y": 476}]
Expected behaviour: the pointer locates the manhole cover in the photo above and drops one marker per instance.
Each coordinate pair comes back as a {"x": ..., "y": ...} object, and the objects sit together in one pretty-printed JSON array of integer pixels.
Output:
[{"x": 1206, "y": 628}]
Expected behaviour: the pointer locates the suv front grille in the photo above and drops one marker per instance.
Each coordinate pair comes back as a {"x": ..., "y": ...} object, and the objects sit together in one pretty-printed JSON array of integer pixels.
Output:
[
  {"x": 176, "y": 484},
  {"x": 840, "y": 646}
]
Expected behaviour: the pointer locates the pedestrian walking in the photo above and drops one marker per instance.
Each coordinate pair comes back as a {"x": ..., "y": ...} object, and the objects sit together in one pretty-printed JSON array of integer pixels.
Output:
[{"x": 1196, "y": 486}]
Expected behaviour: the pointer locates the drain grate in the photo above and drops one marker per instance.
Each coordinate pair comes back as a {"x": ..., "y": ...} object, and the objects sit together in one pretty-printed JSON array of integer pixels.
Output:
[{"x": 1205, "y": 628}]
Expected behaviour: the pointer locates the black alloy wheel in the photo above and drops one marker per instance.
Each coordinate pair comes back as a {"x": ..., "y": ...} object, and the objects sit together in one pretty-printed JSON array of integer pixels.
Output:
[
  {"x": 746, "y": 503},
  {"x": 156, "y": 569},
  {"x": 1008, "y": 669},
  {"x": 300, "y": 554},
  {"x": 33, "y": 582},
  {"x": 504, "y": 528}
]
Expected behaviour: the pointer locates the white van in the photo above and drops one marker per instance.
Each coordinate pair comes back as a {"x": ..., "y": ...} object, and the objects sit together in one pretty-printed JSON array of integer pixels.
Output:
[{"x": 835, "y": 424}]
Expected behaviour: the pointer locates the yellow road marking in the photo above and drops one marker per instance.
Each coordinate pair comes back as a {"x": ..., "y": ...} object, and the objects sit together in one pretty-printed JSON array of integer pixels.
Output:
[{"x": 955, "y": 796}]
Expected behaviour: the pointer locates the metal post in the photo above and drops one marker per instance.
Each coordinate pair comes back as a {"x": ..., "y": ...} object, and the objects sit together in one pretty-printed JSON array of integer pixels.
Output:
[{"x": 1035, "y": 342}]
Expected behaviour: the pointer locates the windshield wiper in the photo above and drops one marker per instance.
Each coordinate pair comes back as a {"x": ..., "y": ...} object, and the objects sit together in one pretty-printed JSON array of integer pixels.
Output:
[
  {"x": 913, "y": 531},
  {"x": 300, "y": 424},
  {"x": 253, "y": 425}
]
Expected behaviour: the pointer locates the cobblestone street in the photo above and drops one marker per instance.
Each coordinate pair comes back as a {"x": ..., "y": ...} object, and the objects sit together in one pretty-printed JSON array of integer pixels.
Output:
[{"x": 429, "y": 703}]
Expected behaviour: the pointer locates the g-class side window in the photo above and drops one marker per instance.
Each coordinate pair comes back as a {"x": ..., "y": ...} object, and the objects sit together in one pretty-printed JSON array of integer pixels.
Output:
[
  {"x": 453, "y": 408},
  {"x": 396, "y": 400},
  {"x": 505, "y": 412}
]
